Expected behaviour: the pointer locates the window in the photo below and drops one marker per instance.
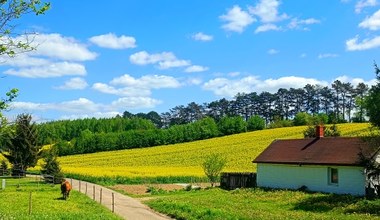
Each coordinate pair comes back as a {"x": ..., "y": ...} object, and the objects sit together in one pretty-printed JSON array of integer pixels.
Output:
[{"x": 333, "y": 176}]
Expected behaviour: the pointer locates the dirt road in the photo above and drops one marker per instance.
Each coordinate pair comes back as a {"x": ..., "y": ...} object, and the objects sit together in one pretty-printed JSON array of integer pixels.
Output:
[{"x": 124, "y": 206}]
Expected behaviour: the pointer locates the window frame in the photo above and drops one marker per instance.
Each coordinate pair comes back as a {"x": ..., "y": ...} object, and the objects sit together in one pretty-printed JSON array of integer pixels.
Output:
[{"x": 333, "y": 176}]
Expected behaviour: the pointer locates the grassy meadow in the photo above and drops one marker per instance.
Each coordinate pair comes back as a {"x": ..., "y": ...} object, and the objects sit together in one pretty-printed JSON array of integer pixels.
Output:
[
  {"x": 262, "y": 204},
  {"x": 47, "y": 202},
  {"x": 180, "y": 160}
]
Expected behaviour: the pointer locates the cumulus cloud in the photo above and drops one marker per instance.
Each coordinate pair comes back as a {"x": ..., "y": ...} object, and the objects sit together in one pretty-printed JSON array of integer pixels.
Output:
[
  {"x": 267, "y": 27},
  {"x": 85, "y": 108},
  {"x": 50, "y": 70},
  {"x": 237, "y": 19},
  {"x": 273, "y": 51},
  {"x": 267, "y": 11},
  {"x": 196, "y": 68},
  {"x": 134, "y": 102},
  {"x": 165, "y": 60},
  {"x": 368, "y": 43},
  {"x": 112, "y": 41},
  {"x": 202, "y": 37},
  {"x": 372, "y": 22},
  {"x": 229, "y": 88},
  {"x": 59, "y": 47},
  {"x": 327, "y": 55},
  {"x": 73, "y": 84},
  {"x": 354, "y": 81},
  {"x": 128, "y": 86},
  {"x": 363, "y": 4},
  {"x": 81, "y": 105},
  {"x": 55, "y": 56}
]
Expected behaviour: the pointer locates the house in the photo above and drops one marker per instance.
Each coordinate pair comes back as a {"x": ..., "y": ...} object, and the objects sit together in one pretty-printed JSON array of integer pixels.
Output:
[{"x": 324, "y": 164}]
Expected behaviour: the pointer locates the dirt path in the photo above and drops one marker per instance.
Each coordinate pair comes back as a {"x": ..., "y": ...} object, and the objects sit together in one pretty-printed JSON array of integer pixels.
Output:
[{"x": 124, "y": 206}]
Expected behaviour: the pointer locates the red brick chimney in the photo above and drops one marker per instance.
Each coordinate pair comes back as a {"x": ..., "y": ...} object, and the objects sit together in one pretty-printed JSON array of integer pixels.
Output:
[{"x": 319, "y": 132}]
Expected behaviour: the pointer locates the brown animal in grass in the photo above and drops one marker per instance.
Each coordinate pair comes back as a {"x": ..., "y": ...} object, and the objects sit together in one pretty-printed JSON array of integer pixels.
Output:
[{"x": 65, "y": 189}]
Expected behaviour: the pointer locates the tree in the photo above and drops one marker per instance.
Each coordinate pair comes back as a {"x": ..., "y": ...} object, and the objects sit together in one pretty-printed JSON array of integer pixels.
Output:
[
  {"x": 3, "y": 168},
  {"x": 255, "y": 123},
  {"x": 51, "y": 167},
  {"x": 372, "y": 102},
  {"x": 21, "y": 148},
  {"x": 12, "y": 43},
  {"x": 213, "y": 166}
]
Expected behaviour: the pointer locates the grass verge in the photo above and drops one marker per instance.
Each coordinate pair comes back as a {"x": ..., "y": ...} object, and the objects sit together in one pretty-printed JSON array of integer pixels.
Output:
[
  {"x": 263, "y": 204},
  {"x": 46, "y": 202}
]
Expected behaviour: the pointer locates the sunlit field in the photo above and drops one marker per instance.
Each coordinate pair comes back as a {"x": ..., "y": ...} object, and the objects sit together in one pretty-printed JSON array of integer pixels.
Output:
[{"x": 185, "y": 159}]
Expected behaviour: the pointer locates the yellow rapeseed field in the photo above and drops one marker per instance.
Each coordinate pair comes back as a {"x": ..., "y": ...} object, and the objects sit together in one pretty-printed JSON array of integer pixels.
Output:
[{"x": 185, "y": 159}]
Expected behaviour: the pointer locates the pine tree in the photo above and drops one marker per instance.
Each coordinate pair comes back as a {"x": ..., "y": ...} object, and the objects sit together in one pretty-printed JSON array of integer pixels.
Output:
[{"x": 52, "y": 168}]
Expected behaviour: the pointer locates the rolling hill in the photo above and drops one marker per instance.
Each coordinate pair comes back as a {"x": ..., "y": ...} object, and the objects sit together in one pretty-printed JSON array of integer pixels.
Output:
[{"x": 185, "y": 159}]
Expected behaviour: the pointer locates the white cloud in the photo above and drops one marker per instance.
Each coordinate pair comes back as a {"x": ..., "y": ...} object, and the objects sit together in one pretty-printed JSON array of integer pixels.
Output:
[
  {"x": 57, "y": 46},
  {"x": 267, "y": 10},
  {"x": 50, "y": 70},
  {"x": 85, "y": 108},
  {"x": 303, "y": 55},
  {"x": 237, "y": 19},
  {"x": 363, "y": 4},
  {"x": 194, "y": 81},
  {"x": 272, "y": 52},
  {"x": 202, "y": 37},
  {"x": 195, "y": 68},
  {"x": 147, "y": 81},
  {"x": 229, "y": 88},
  {"x": 165, "y": 60},
  {"x": 372, "y": 22},
  {"x": 327, "y": 55},
  {"x": 23, "y": 60},
  {"x": 112, "y": 41},
  {"x": 354, "y": 81},
  {"x": 296, "y": 23},
  {"x": 128, "y": 86},
  {"x": 74, "y": 83},
  {"x": 81, "y": 105},
  {"x": 267, "y": 27},
  {"x": 233, "y": 74},
  {"x": 124, "y": 91},
  {"x": 366, "y": 44},
  {"x": 135, "y": 102}
]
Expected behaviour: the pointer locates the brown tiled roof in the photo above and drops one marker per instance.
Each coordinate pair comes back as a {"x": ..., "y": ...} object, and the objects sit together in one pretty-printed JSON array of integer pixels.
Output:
[{"x": 320, "y": 151}]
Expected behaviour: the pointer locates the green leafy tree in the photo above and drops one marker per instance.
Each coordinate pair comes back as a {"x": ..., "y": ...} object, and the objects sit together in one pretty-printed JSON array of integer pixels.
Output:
[
  {"x": 21, "y": 147},
  {"x": 255, "y": 123},
  {"x": 372, "y": 102},
  {"x": 213, "y": 166},
  {"x": 51, "y": 167}
]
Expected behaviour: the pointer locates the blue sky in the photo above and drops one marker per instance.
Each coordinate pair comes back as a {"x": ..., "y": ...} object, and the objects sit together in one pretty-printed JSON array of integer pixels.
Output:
[{"x": 101, "y": 58}]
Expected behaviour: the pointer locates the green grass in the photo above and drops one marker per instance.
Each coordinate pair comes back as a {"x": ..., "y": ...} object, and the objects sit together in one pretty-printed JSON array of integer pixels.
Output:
[
  {"x": 263, "y": 204},
  {"x": 47, "y": 202}
]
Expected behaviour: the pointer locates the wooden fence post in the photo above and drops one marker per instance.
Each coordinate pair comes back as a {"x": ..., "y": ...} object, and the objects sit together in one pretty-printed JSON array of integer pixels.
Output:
[
  {"x": 101, "y": 195},
  {"x": 79, "y": 185},
  {"x": 30, "y": 203},
  {"x": 86, "y": 189},
  {"x": 113, "y": 202},
  {"x": 93, "y": 192}
]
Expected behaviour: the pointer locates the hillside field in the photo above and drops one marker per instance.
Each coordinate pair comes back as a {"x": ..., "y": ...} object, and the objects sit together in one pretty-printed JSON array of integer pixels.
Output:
[{"x": 185, "y": 159}]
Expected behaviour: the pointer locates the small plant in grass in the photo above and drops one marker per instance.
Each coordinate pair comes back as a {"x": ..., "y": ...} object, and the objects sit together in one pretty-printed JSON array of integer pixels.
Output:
[{"x": 212, "y": 166}]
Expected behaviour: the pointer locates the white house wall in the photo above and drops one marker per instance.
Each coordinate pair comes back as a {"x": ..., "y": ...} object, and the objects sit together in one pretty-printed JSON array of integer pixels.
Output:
[{"x": 315, "y": 178}]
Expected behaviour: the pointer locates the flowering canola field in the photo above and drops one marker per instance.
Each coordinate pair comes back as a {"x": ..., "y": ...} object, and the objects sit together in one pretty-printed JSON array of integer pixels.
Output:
[{"x": 185, "y": 159}]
